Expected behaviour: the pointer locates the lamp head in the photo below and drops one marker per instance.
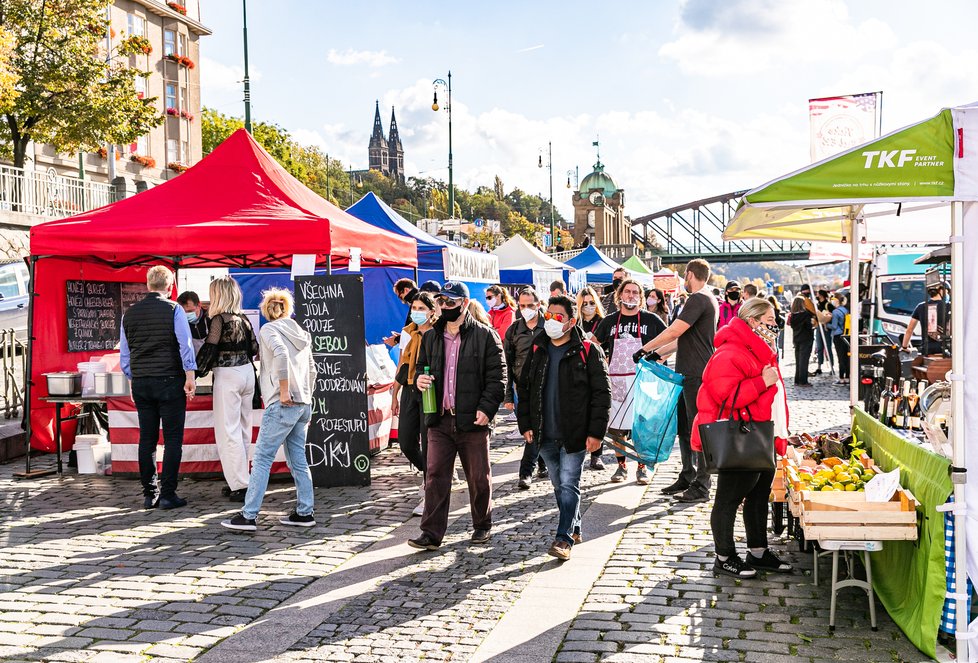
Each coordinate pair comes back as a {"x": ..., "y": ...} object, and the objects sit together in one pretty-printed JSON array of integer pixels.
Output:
[
  {"x": 434, "y": 103},
  {"x": 539, "y": 161}
]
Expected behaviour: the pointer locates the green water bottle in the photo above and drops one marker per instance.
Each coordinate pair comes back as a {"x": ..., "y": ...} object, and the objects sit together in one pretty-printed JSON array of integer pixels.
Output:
[{"x": 428, "y": 404}]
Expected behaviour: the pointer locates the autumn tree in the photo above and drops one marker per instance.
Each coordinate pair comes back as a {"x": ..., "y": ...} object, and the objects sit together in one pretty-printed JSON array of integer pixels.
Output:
[{"x": 70, "y": 92}]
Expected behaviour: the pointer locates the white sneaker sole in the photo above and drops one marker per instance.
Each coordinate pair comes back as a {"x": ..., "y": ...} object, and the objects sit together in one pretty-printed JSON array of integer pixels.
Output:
[
  {"x": 239, "y": 528},
  {"x": 292, "y": 523}
]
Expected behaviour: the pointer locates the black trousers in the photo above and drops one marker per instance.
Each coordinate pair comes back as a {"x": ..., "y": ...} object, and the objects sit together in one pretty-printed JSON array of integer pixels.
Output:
[
  {"x": 803, "y": 352},
  {"x": 160, "y": 400},
  {"x": 751, "y": 488},
  {"x": 841, "y": 344},
  {"x": 531, "y": 457},
  {"x": 412, "y": 434},
  {"x": 694, "y": 463}
]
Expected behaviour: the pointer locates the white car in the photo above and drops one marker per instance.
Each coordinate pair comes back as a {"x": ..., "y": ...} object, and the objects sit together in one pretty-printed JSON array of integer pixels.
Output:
[{"x": 14, "y": 297}]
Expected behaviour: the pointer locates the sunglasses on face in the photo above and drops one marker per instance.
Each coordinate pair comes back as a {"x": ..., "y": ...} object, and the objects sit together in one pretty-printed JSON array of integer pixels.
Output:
[
  {"x": 559, "y": 317},
  {"x": 446, "y": 302}
]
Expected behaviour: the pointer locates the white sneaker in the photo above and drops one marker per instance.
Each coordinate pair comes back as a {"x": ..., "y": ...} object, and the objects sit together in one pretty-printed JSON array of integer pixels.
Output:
[{"x": 419, "y": 510}]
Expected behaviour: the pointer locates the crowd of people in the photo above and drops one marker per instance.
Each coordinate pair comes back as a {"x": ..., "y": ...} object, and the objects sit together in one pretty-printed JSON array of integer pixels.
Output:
[{"x": 562, "y": 366}]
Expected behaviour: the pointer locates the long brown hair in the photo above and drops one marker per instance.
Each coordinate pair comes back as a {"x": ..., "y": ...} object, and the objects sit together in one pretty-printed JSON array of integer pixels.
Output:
[
  {"x": 598, "y": 307},
  {"x": 503, "y": 294}
]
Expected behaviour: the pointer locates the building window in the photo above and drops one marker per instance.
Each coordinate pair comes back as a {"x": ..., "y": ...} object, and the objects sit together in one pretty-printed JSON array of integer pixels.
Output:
[
  {"x": 169, "y": 42},
  {"x": 172, "y": 145},
  {"x": 171, "y": 95},
  {"x": 140, "y": 84},
  {"x": 136, "y": 25},
  {"x": 142, "y": 146},
  {"x": 184, "y": 151},
  {"x": 184, "y": 99},
  {"x": 182, "y": 44}
]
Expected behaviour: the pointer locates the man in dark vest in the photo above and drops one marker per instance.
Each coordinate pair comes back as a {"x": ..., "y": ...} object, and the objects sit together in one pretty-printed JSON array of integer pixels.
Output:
[{"x": 158, "y": 358}]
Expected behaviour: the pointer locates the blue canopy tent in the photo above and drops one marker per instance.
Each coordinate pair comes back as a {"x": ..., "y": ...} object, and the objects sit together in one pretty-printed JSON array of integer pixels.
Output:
[{"x": 596, "y": 266}]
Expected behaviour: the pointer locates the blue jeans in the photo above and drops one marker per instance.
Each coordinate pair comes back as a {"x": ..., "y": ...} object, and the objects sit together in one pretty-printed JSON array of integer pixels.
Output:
[
  {"x": 565, "y": 475},
  {"x": 288, "y": 425}
]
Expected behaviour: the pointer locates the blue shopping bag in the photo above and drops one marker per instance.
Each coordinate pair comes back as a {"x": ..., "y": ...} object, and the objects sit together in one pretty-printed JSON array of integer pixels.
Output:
[{"x": 656, "y": 391}]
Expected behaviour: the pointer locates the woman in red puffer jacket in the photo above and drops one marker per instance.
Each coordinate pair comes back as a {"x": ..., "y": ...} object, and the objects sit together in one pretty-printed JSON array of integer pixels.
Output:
[{"x": 744, "y": 365}]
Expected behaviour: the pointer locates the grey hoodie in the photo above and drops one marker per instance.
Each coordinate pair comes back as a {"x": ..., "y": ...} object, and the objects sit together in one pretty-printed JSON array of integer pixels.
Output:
[{"x": 286, "y": 353}]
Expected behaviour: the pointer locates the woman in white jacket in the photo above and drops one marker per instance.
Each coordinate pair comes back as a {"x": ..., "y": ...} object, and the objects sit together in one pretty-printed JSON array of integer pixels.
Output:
[{"x": 287, "y": 381}]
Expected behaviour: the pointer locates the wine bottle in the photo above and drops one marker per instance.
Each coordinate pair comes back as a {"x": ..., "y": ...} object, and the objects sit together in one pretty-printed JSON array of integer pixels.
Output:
[
  {"x": 428, "y": 398},
  {"x": 886, "y": 404},
  {"x": 898, "y": 407},
  {"x": 903, "y": 413},
  {"x": 916, "y": 410}
]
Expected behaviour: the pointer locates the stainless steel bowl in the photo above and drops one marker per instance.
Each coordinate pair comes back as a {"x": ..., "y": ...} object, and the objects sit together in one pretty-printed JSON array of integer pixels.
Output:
[{"x": 64, "y": 383}]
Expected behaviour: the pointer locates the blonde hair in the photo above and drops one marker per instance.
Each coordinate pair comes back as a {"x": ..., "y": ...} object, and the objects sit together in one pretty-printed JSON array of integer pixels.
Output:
[
  {"x": 159, "y": 278},
  {"x": 754, "y": 308},
  {"x": 479, "y": 313},
  {"x": 276, "y": 303},
  {"x": 598, "y": 306},
  {"x": 225, "y": 296}
]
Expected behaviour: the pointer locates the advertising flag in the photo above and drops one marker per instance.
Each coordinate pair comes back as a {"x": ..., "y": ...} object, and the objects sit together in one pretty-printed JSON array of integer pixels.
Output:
[{"x": 838, "y": 123}]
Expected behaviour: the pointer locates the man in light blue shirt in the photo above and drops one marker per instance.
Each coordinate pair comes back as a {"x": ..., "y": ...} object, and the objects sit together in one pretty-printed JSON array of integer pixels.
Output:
[{"x": 157, "y": 356}]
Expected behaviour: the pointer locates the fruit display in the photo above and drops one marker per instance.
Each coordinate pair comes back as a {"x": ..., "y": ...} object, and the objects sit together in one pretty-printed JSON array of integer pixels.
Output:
[{"x": 833, "y": 473}]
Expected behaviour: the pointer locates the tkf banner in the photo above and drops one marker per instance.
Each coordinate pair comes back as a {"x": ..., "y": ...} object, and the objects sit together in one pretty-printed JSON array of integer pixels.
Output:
[
  {"x": 838, "y": 123},
  {"x": 330, "y": 308}
]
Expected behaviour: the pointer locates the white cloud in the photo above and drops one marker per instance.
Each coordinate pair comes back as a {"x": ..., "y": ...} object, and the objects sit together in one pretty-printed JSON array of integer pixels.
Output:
[
  {"x": 219, "y": 77},
  {"x": 746, "y": 37},
  {"x": 351, "y": 57}
]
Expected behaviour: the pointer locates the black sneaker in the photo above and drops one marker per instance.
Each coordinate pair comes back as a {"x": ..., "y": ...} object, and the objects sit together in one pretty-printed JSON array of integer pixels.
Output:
[
  {"x": 295, "y": 520},
  {"x": 543, "y": 473},
  {"x": 597, "y": 463},
  {"x": 238, "y": 495},
  {"x": 225, "y": 491},
  {"x": 424, "y": 542},
  {"x": 149, "y": 502},
  {"x": 768, "y": 562},
  {"x": 240, "y": 523},
  {"x": 524, "y": 483},
  {"x": 678, "y": 486},
  {"x": 692, "y": 496},
  {"x": 481, "y": 536},
  {"x": 733, "y": 566},
  {"x": 172, "y": 502}
]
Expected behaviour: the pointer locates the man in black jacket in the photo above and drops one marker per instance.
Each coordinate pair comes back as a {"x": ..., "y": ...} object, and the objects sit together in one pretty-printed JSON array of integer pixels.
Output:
[
  {"x": 519, "y": 340},
  {"x": 564, "y": 406},
  {"x": 468, "y": 374}
]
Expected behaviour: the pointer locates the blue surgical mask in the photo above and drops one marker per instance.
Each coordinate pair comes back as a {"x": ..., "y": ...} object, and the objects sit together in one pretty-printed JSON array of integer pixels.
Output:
[
  {"x": 419, "y": 317},
  {"x": 192, "y": 316}
]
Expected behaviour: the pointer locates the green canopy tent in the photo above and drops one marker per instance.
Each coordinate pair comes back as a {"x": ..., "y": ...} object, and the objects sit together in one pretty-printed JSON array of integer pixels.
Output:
[
  {"x": 905, "y": 186},
  {"x": 636, "y": 266}
]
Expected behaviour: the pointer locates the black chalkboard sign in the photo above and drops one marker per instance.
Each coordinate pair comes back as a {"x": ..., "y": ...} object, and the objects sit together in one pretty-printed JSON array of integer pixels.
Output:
[
  {"x": 94, "y": 312},
  {"x": 338, "y": 443}
]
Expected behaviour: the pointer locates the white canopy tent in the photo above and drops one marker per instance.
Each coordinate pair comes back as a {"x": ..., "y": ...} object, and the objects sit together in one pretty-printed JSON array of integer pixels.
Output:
[
  {"x": 517, "y": 253},
  {"x": 918, "y": 184}
]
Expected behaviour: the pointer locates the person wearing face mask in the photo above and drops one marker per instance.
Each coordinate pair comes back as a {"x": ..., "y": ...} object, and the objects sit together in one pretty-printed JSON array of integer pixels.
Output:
[
  {"x": 655, "y": 300},
  {"x": 611, "y": 292},
  {"x": 743, "y": 377},
  {"x": 405, "y": 290},
  {"x": 517, "y": 345},
  {"x": 199, "y": 321},
  {"x": 412, "y": 437},
  {"x": 468, "y": 373},
  {"x": 591, "y": 312},
  {"x": 501, "y": 308},
  {"x": 837, "y": 329},
  {"x": 730, "y": 305},
  {"x": 621, "y": 334},
  {"x": 564, "y": 406}
]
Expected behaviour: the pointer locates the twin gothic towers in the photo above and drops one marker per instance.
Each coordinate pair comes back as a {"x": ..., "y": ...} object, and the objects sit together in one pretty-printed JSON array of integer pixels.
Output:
[{"x": 386, "y": 154}]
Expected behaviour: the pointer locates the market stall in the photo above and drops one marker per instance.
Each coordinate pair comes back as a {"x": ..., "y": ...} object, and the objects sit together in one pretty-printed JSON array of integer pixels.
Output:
[
  {"x": 236, "y": 208},
  {"x": 918, "y": 184},
  {"x": 520, "y": 264},
  {"x": 593, "y": 266}
]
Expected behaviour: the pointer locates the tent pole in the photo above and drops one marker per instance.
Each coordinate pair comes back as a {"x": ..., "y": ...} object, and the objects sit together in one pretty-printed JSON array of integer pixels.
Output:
[
  {"x": 871, "y": 298},
  {"x": 30, "y": 361},
  {"x": 854, "y": 306},
  {"x": 821, "y": 328},
  {"x": 959, "y": 475}
]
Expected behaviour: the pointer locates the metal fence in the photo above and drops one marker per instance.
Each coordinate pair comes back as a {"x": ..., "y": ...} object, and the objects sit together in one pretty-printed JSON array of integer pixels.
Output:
[
  {"x": 45, "y": 193},
  {"x": 13, "y": 367}
]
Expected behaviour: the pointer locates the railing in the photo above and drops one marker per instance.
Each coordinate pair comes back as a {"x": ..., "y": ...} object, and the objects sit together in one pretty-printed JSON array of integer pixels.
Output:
[
  {"x": 49, "y": 194},
  {"x": 13, "y": 367},
  {"x": 617, "y": 252}
]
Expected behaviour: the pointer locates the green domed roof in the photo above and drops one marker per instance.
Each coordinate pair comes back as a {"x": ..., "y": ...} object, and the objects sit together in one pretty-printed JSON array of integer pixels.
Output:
[{"x": 599, "y": 180}]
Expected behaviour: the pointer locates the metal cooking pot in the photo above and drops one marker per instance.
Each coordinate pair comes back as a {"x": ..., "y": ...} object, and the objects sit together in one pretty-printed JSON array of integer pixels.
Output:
[
  {"x": 934, "y": 394},
  {"x": 64, "y": 383}
]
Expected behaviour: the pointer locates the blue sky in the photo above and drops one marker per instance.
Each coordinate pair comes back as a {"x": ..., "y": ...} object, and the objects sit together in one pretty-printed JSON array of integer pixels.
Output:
[{"x": 690, "y": 98}]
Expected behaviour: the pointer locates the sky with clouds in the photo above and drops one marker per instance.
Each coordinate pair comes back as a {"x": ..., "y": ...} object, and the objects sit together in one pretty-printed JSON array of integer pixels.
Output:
[{"x": 690, "y": 98}]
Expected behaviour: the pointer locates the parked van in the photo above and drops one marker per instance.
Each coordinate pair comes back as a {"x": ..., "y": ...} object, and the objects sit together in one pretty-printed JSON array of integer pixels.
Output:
[{"x": 14, "y": 297}]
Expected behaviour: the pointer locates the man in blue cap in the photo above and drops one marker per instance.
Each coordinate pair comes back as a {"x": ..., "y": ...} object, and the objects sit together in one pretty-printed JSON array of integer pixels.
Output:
[{"x": 466, "y": 369}]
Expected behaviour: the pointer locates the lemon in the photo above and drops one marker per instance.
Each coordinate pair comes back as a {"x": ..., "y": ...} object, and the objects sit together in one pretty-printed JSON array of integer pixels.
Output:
[{"x": 851, "y": 488}]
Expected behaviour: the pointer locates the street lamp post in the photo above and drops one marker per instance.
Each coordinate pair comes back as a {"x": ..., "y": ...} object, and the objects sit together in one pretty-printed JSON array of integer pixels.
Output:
[
  {"x": 573, "y": 173},
  {"x": 448, "y": 107},
  {"x": 357, "y": 182},
  {"x": 550, "y": 167},
  {"x": 247, "y": 79}
]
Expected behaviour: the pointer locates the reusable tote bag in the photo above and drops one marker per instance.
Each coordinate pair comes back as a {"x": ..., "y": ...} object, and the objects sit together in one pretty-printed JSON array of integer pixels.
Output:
[
  {"x": 657, "y": 390},
  {"x": 736, "y": 444}
]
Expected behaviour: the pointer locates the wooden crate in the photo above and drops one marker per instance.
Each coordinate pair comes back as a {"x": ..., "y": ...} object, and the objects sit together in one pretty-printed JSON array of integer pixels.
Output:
[{"x": 849, "y": 517}]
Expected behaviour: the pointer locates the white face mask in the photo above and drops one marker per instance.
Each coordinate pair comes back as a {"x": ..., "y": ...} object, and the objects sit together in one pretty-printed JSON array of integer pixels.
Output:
[
  {"x": 492, "y": 302},
  {"x": 651, "y": 301},
  {"x": 630, "y": 303},
  {"x": 528, "y": 313},
  {"x": 554, "y": 328},
  {"x": 589, "y": 309}
]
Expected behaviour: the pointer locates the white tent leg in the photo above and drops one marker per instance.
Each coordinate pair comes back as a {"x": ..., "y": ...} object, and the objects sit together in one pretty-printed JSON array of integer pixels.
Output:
[
  {"x": 854, "y": 306},
  {"x": 958, "y": 474}
]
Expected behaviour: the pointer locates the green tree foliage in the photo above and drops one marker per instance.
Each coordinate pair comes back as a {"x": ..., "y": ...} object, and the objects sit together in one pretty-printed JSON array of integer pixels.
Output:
[{"x": 69, "y": 91}]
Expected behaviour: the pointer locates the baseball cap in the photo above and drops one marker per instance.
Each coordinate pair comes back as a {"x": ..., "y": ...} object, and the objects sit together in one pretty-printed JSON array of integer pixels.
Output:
[
  {"x": 731, "y": 285},
  {"x": 806, "y": 288},
  {"x": 455, "y": 290},
  {"x": 432, "y": 287}
]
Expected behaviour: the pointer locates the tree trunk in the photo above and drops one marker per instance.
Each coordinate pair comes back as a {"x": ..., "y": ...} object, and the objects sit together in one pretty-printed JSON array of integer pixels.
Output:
[{"x": 20, "y": 151}]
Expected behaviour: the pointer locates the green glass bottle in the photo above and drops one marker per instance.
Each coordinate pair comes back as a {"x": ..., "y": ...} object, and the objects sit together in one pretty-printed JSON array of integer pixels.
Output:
[{"x": 428, "y": 404}]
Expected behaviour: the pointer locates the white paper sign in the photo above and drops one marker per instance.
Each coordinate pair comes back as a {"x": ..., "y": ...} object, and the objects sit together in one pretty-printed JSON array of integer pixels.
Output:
[
  {"x": 882, "y": 487},
  {"x": 355, "y": 259},
  {"x": 303, "y": 265}
]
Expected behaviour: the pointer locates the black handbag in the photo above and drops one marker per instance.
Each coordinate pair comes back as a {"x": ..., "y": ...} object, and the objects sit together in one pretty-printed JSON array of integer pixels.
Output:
[{"x": 737, "y": 445}]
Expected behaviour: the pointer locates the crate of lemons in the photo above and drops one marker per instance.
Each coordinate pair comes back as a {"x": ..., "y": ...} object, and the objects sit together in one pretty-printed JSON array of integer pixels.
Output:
[{"x": 834, "y": 474}]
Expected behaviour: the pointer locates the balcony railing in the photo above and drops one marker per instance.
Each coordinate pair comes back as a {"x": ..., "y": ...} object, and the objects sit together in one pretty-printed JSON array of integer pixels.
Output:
[
  {"x": 45, "y": 193},
  {"x": 617, "y": 252}
]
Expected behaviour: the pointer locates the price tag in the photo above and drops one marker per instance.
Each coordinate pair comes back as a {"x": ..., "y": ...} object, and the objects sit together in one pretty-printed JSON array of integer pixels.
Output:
[{"x": 883, "y": 487}]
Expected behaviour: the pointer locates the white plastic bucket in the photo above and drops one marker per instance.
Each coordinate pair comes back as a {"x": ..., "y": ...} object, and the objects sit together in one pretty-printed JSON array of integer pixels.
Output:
[
  {"x": 119, "y": 384},
  {"x": 90, "y": 451},
  {"x": 88, "y": 369},
  {"x": 103, "y": 386}
]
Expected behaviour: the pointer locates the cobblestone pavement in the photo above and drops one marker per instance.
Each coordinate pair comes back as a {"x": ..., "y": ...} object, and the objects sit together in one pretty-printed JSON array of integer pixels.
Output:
[{"x": 89, "y": 576}]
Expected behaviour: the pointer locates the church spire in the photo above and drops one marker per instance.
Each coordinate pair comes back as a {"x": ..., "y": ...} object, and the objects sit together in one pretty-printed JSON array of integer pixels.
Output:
[
  {"x": 395, "y": 138},
  {"x": 378, "y": 134}
]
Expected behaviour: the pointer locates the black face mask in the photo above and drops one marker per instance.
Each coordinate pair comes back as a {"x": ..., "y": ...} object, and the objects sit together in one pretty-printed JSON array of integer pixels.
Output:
[
  {"x": 616, "y": 283},
  {"x": 733, "y": 296},
  {"x": 451, "y": 314}
]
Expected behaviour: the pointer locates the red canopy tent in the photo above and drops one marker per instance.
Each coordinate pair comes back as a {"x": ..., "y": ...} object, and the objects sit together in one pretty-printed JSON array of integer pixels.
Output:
[{"x": 236, "y": 208}]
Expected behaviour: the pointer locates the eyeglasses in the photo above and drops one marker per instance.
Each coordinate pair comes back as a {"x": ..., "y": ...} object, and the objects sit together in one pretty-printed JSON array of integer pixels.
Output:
[
  {"x": 559, "y": 317},
  {"x": 447, "y": 302}
]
